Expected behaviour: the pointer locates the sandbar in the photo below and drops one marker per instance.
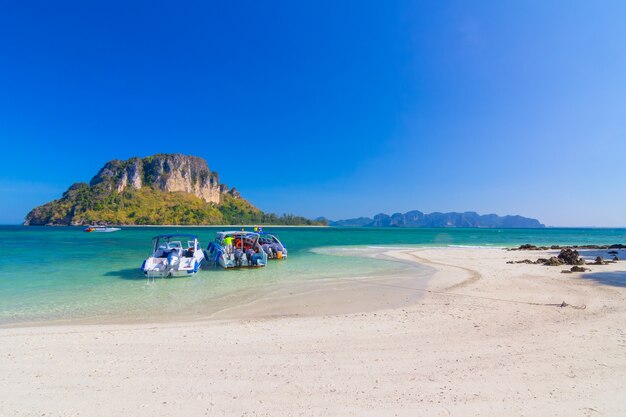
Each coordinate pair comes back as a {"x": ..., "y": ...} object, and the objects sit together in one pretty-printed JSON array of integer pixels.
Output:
[{"x": 482, "y": 338}]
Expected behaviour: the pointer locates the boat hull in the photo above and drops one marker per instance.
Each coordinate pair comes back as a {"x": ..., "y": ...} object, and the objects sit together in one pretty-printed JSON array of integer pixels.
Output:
[
  {"x": 102, "y": 229},
  {"x": 108, "y": 230},
  {"x": 226, "y": 262},
  {"x": 160, "y": 268},
  {"x": 217, "y": 254},
  {"x": 282, "y": 255}
]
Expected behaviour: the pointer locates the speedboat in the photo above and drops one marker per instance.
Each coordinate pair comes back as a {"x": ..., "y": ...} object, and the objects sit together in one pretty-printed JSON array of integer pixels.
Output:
[
  {"x": 235, "y": 249},
  {"x": 171, "y": 258},
  {"x": 272, "y": 246},
  {"x": 101, "y": 229}
]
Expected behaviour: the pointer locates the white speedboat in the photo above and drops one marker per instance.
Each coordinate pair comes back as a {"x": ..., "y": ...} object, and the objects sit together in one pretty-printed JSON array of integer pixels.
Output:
[
  {"x": 170, "y": 257},
  {"x": 101, "y": 229},
  {"x": 272, "y": 246},
  {"x": 236, "y": 249}
]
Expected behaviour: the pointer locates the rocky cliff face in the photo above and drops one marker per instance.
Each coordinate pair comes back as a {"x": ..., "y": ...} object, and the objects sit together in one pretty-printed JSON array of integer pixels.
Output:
[
  {"x": 163, "y": 172},
  {"x": 159, "y": 189}
]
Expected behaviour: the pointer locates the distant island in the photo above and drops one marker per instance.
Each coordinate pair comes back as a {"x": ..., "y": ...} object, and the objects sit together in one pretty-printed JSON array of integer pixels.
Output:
[
  {"x": 175, "y": 189},
  {"x": 161, "y": 189},
  {"x": 416, "y": 218}
]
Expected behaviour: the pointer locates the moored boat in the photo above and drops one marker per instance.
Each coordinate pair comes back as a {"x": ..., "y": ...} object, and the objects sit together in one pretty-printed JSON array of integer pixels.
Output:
[
  {"x": 272, "y": 246},
  {"x": 234, "y": 249},
  {"x": 101, "y": 229},
  {"x": 171, "y": 258}
]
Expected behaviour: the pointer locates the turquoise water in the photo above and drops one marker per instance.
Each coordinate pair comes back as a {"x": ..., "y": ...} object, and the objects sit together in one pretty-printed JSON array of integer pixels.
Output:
[{"x": 52, "y": 273}]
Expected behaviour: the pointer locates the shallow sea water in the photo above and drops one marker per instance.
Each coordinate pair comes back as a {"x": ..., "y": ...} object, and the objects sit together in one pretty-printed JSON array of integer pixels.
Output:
[{"x": 62, "y": 273}]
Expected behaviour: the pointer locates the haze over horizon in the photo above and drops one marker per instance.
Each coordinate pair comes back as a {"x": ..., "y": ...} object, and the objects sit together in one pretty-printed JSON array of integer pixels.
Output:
[{"x": 325, "y": 109}]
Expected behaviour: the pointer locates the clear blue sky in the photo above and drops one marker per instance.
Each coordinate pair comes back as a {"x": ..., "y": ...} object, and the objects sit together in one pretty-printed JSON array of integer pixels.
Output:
[{"x": 351, "y": 108}]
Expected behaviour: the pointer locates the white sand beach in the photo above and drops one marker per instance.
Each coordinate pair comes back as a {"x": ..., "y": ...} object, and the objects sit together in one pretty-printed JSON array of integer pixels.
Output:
[{"x": 483, "y": 338}]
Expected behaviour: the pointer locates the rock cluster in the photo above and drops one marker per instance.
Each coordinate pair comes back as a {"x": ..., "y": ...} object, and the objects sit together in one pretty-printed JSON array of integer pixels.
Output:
[
  {"x": 553, "y": 261},
  {"x": 575, "y": 268},
  {"x": 567, "y": 256},
  {"x": 528, "y": 246},
  {"x": 598, "y": 261},
  {"x": 571, "y": 257}
]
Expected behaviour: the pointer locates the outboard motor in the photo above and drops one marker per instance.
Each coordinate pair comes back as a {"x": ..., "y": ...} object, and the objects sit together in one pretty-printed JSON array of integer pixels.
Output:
[
  {"x": 276, "y": 247},
  {"x": 238, "y": 255},
  {"x": 172, "y": 262},
  {"x": 249, "y": 257}
]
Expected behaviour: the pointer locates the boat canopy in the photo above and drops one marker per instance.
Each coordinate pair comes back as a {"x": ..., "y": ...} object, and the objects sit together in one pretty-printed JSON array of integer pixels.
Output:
[
  {"x": 168, "y": 241},
  {"x": 236, "y": 233},
  {"x": 186, "y": 236}
]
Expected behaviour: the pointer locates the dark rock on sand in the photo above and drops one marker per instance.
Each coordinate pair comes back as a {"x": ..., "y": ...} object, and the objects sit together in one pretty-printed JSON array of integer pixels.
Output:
[
  {"x": 554, "y": 261},
  {"x": 617, "y": 246},
  {"x": 599, "y": 261},
  {"x": 528, "y": 246},
  {"x": 525, "y": 261},
  {"x": 570, "y": 257}
]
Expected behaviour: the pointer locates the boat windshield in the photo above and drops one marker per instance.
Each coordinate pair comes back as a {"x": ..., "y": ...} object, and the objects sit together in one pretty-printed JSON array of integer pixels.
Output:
[
  {"x": 267, "y": 239},
  {"x": 163, "y": 245}
]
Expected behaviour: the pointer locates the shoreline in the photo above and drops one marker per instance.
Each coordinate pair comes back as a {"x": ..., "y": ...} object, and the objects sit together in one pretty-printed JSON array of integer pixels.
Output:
[
  {"x": 298, "y": 298},
  {"x": 344, "y": 227},
  {"x": 219, "y": 225},
  {"x": 485, "y": 338},
  {"x": 169, "y": 225},
  {"x": 441, "y": 276}
]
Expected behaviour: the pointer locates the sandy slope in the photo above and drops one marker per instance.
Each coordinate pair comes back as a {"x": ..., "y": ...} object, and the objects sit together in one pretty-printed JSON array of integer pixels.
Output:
[{"x": 481, "y": 342}]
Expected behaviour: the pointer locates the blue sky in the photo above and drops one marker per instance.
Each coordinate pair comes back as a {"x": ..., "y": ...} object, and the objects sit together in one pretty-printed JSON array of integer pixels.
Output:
[{"x": 351, "y": 108}]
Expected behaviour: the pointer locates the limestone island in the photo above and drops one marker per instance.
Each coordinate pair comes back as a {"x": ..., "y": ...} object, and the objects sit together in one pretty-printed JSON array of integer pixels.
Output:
[{"x": 163, "y": 189}]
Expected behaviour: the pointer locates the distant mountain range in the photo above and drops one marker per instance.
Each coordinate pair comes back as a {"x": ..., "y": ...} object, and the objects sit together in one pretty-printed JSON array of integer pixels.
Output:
[{"x": 416, "y": 218}]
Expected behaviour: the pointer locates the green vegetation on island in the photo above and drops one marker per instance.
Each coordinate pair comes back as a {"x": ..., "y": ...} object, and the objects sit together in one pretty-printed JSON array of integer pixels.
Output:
[{"x": 158, "y": 190}]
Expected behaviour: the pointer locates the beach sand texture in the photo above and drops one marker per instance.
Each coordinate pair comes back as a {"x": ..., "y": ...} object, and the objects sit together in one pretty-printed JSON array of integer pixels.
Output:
[{"x": 487, "y": 338}]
